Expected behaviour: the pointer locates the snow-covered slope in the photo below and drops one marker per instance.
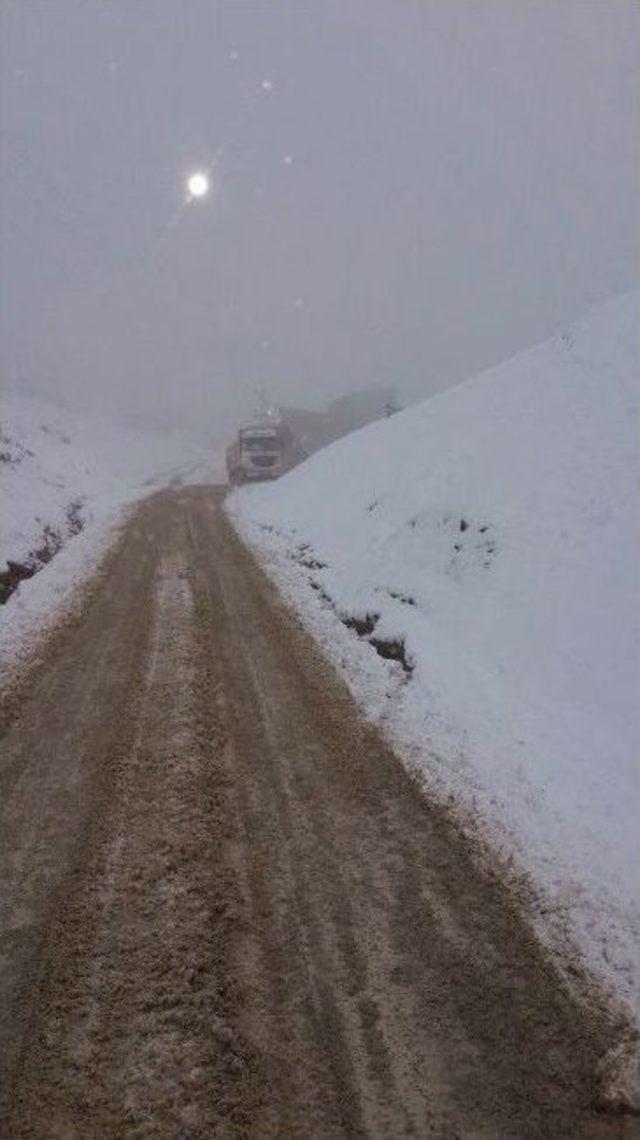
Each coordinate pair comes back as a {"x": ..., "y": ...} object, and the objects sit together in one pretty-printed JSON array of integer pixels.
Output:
[
  {"x": 492, "y": 534},
  {"x": 51, "y": 457},
  {"x": 65, "y": 476}
]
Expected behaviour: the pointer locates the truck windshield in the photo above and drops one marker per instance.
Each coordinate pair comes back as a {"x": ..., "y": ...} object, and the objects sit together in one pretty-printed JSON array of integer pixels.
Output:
[{"x": 260, "y": 443}]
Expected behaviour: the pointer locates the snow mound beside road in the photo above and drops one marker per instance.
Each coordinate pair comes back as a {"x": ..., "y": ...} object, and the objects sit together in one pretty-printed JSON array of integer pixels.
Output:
[
  {"x": 471, "y": 566},
  {"x": 66, "y": 475}
]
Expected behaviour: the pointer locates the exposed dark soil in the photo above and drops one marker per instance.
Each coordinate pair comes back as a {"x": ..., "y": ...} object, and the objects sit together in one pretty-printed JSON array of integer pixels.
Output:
[
  {"x": 52, "y": 541},
  {"x": 362, "y": 624},
  {"x": 226, "y": 909},
  {"x": 392, "y": 649}
]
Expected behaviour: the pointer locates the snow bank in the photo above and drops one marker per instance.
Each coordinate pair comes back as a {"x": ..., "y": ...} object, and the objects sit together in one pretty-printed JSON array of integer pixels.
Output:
[
  {"x": 491, "y": 535},
  {"x": 65, "y": 477}
]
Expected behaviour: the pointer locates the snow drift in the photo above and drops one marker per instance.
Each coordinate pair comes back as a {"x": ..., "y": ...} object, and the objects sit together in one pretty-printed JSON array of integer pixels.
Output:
[{"x": 471, "y": 566}]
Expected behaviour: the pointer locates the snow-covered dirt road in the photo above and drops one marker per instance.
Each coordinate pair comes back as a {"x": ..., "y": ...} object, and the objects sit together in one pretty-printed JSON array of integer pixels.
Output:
[{"x": 226, "y": 909}]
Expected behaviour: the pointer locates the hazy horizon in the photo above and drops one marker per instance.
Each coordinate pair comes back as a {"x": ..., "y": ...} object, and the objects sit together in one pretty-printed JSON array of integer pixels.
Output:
[{"x": 401, "y": 194}]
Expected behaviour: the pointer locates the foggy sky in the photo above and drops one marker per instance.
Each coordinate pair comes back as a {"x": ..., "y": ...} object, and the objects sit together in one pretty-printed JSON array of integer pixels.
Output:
[{"x": 404, "y": 192}]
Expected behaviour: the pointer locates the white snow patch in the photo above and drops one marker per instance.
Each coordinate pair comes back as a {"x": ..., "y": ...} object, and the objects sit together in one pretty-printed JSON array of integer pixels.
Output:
[{"x": 494, "y": 530}]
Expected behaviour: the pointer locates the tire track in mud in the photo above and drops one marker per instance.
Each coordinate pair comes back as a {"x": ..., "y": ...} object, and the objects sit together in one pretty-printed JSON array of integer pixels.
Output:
[
  {"x": 135, "y": 1033},
  {"x": 57, "y": 744},
  {"x": 305, "y": 957}
]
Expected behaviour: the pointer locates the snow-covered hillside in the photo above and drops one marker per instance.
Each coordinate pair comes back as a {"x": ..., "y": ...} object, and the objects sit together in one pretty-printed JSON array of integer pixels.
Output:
[
  {"x": 53, "y": 457},
  {"x": 64, "y": 477},
  {"x": 489, "y": 536}
]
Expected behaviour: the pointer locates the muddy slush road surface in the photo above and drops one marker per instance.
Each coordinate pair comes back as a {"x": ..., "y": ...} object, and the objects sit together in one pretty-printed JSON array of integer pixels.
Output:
[{"x": 226, "y": 909}]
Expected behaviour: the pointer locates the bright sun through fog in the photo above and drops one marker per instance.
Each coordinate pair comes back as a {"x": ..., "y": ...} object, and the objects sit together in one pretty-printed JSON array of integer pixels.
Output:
[{"x": 198, "y": 184}]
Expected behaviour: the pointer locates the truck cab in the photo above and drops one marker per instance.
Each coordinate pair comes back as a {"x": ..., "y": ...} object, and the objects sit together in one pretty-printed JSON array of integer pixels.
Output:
[
  {"x": 261, "y": 451},
  {"x": 257, "y": 453}
]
